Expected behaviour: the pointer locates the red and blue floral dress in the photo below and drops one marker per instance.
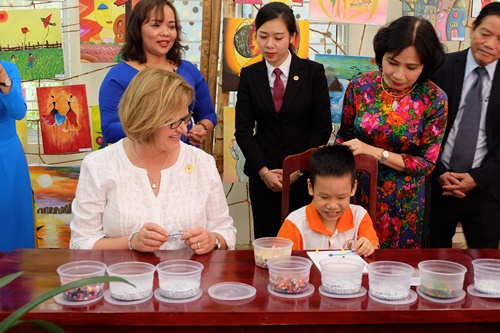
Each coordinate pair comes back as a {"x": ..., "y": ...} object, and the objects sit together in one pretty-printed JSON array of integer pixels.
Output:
[{"x": 414, "y": 129}]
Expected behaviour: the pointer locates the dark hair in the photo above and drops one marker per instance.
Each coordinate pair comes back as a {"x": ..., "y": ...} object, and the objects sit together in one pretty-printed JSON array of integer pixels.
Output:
[
  {"x": 274, "y": 10},
  {"x": 132, "y": 50},
  {"x": 493, "y": 8},
  {"x": 411, "y": 31},
  {"x": 332, "y": 161}
]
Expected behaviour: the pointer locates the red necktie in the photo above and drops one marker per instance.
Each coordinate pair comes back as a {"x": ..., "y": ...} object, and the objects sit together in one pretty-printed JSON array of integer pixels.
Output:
[{"x": 278, "y": 90}]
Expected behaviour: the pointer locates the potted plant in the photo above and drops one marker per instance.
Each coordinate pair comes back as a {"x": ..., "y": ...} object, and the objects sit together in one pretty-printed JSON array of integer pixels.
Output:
[{"x": 15, "y": 317}]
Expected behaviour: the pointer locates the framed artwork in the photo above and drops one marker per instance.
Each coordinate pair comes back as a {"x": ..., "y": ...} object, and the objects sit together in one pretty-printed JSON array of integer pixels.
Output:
[{"x": 64, "y": 119}]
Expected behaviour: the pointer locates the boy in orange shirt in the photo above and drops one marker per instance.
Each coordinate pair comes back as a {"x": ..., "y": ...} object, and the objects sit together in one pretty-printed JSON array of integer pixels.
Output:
[{"x": 330, "y": 221}]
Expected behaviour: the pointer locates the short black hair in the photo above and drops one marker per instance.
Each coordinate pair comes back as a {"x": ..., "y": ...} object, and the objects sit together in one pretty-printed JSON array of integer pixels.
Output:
[
  {"x": 493, "y": 8},
  {"x": 332, "y": 161},
  {"x": 411, "y": 31},
  {"x": 274, "y": 10}
]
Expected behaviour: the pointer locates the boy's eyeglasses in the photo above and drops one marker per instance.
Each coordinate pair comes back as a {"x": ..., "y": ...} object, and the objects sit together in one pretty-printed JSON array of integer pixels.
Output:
[{"x": 186, "y": 120}]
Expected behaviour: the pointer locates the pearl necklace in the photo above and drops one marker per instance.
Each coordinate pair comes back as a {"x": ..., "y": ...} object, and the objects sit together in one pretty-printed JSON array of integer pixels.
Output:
[
  {"x": 153, "y": 185},
  {"x": 395, "y": 103}
]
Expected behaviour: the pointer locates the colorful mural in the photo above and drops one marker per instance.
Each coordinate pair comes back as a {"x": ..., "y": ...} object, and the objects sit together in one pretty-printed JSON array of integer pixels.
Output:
[
  {"x": 54, "y": 189},
  {"x": 349, "y": 11},
  {"x": 234, "y": 160},
  {"x": 240, "y": 48},
  {"x": 32, "y": 39},
  {"x": 64, "y": 119},
  {"x": 102, "y": 29},
  {"x": 339, "y": 70}
]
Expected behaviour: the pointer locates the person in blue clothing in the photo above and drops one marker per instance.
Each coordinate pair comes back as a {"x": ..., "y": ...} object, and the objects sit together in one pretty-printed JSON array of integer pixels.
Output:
[
  {"x": 17, "y": 220},
  {"x": 152, "y": 41}
]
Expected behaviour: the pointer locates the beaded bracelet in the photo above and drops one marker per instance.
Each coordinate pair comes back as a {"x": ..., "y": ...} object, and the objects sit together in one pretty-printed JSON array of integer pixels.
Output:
[
  {"x": 130, "y": 240},
  {"x": 202, "y": 124}
]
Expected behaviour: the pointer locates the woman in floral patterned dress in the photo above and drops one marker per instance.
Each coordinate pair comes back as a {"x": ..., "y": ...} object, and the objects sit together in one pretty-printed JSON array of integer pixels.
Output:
[{"x": 398, "y": 115}]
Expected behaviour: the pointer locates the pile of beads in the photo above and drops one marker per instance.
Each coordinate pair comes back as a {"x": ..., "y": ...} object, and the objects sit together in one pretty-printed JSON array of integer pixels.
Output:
[
  {"x": 440, "y": 291},
  {"x": 85, "y": 293},
  {"x": 179, "y": 288},
  {"x": 388, "y": 291},
  {"x": 336, "y": 286},
  {"x": 261, "y": 261},
  {"x": 286, "y": 285},
  {"x": 487, "y": 286},
  {"x": 131, "y": 296}
]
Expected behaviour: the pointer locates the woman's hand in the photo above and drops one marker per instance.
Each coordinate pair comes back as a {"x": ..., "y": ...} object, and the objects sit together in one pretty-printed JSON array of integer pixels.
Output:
[
  {"x": 199, "y": 240},
  {"x": 274, "y": 180},
  {"x": 150, "y": 238},
  {"x": 198, "y": 133},
  {"x": 358, "y": 147}
]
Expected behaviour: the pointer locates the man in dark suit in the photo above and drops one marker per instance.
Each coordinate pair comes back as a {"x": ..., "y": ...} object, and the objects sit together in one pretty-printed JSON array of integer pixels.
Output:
[{"x": 470, "y": 193}]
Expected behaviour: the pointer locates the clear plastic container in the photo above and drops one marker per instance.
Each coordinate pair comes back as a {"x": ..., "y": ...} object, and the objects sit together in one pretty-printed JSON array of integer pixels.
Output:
[
  {"x": 389, "y": 280},
  {"x": 289, "y": 275},
  {"x": 179, "y": 278},
  {"x": 441, "y": 278},
  {"x": 341, "y": 275},
  {"x": 270, "y": 247},
  {"x": 78, "y": 270},
  {"x": 140, "y": 274},
  {"x": 487, "y": 276}
]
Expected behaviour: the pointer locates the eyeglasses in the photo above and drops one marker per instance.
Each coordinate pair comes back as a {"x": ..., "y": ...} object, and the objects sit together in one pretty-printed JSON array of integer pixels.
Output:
[{"x": 184, "y": 120}]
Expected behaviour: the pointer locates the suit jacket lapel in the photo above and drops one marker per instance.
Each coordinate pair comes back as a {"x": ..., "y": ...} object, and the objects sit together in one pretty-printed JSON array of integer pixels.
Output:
[
  {"x": 262, "y": 84},
  {"x": 294, "y": 81},
  {"x": 457, "y": 76},
  {"x": 493, "y": 103}
]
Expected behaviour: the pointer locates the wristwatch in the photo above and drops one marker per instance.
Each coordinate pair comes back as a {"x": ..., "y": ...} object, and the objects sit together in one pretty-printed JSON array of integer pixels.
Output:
[
  {"x": 217, "y": 242},
  {"x": 6, "y": 83},
  {"x": 385, "y": 156}
]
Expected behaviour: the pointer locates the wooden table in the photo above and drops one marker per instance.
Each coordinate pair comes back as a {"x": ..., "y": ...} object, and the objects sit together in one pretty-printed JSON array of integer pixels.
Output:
[{"x": 263, "y": 313}]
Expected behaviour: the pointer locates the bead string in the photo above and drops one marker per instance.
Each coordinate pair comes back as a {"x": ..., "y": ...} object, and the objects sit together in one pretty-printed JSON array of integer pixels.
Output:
[{"x": 153, "y": 185}]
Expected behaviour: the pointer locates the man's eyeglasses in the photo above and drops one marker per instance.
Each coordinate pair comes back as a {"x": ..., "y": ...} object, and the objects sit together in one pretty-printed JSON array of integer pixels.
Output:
[{"x": 186, "y": 120}]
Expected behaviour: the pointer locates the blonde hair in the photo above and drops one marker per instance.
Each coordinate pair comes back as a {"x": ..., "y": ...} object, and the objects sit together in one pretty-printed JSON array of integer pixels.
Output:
[{"x": 154, "y": 97}]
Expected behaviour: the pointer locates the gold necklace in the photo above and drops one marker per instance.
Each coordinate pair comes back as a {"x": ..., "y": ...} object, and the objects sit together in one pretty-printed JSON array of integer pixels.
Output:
[
  {"x": 153, "y": 185},
  {"x": 395, "y": 103}
]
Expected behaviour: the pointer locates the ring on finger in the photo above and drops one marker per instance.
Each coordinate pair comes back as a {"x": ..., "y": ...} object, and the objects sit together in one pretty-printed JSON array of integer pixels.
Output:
[{"x": 198, "y": 245}]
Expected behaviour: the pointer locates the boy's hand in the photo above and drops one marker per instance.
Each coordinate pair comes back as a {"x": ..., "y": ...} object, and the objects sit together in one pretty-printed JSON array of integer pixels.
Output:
[{"x": 363, "y": 247}]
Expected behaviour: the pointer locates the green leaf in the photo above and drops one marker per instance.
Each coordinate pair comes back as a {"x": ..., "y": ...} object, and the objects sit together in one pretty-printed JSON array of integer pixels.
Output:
[
  {"x": 9, "y": 278},
  {"x": 15, "y": 316},
  {"x": 45, "y": 324}
]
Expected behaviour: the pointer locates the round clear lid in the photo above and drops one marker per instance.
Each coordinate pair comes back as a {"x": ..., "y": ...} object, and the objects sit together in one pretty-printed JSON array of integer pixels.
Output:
[{"x": 231, "y": 291}]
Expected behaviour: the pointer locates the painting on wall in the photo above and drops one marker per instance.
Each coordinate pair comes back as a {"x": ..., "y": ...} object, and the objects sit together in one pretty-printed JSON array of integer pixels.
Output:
[
  {"x": 339, "y": 70},
  {"x": 240, "y": 48},
  {"x": 451, "y": 18},
  {"x": 349, "y": 11},
  {"x": 54, "y": 189},
  {"x": 32, "y": 39},
  {"x": 297, "y": 3},
  {"x": 98, "y": 141},
  {"x": 102, "y": 29},
  {"x": 420, "y": 8},
  {"x": 477, "y": 5},
  {"x": 234, "y": 160},
  {"x": 64, "y": 119}
]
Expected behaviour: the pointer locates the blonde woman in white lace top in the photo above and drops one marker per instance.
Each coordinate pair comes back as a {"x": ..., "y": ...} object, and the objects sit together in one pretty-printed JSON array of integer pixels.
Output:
[{"x": 150, "y": 191}]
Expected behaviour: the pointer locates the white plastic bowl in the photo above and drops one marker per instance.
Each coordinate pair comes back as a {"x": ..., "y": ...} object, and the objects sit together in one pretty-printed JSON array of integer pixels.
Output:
[
  {"x": 270, "y": 247},
  {"x": 341, "y": 275},
  {"x": 441, "y": 278},
  {"x": 179, "y": 278},
  {"x": 487, "y": 276},
  {"x": 140, "y": 274},
  {"x": 289, "y": 275},
  {"x": 389, "y": 280},
  {"x": 78, "y": 270}
]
